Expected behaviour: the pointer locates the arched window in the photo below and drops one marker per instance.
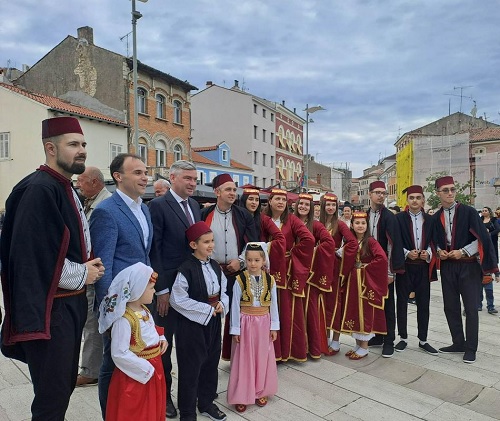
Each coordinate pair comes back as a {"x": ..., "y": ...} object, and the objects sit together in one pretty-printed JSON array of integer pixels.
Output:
[
  {"x": 160, "y": 106},
  {"x": 177, "y": 112},
  {"x": 177, "y": 153},
  {"x": 143, "y": 150},
  {"x": 141, "y": 99},
  {"x": 161, "y": 153}
]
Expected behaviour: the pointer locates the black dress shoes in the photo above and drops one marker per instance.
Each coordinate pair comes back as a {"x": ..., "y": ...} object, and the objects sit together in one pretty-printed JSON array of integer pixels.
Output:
[
  {"x": 171, "y": 411},
  {"x": 452, "y": 349}
]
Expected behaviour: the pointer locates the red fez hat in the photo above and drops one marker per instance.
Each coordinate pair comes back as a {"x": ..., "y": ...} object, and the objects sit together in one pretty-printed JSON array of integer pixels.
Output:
[
  {"x": 306, "y": 196},
  {"x": 330, "y": 197},
  {"x": 376, "y": 185},
  {"x": 195, "y": 231},
  {"x": 359, "y": 214},
  {"x": 415, "y": 189},
  {"x": 60, "y": 125},
  {"x": 440, "y": 182},
  {"x": 220, "y": 180},
  {"x": 277, "y": 192},
  {"x": 250, "y": 190}
]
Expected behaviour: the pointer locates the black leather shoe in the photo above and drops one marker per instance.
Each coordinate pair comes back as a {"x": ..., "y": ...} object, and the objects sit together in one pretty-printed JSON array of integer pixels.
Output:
[
  {"x": 388, "y": 350},
  {"x": 469, "y": 357},
  {"x": 401, "y": 346},
  {"x": 214, "y": 413},
  {"x": 171, "y": 411},
  {"x": 376, "y": 341},
  {"x": 427, "y": 348},
  {"x": 452, "y": 349}
]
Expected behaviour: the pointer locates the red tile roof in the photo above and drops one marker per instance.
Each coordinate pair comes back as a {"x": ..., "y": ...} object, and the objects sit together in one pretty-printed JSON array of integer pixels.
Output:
[
  {"x": 239, "y": 165},
  {"x": 200, "y": 159},
  {"x": 57, "y": 104},
  {"x": 490, "y": 133},
  {"x": 205, "y": 148}
]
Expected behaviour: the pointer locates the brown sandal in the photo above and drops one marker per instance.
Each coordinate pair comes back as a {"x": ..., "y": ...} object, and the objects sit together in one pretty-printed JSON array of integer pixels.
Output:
[
  {"x": 332, "y": 351},
  {"x": 348, "y": 353},
  {"x": 240, "y": 407},
  {"x": 356, "y": 356},
  {"x": 261, "y": 401}
]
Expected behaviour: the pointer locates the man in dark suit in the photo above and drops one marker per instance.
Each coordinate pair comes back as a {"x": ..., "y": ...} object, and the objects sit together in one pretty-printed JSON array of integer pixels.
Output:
[
  {"x": 121, "y": 232},
  {"x": 172, "y": 214}
]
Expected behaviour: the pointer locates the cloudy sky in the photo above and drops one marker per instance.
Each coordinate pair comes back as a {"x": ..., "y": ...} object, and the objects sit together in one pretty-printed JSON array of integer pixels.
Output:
[{"x": 379, "y": 67}]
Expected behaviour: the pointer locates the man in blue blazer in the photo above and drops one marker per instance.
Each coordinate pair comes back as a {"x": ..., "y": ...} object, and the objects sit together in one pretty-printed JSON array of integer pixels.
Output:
[
  {"x": 121, "y": 233},
  {"x": 172, "y": 214}
]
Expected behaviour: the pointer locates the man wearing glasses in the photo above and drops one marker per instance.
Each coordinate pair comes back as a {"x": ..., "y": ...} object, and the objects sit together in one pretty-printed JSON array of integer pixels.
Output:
[
  {"x": 383, "y": 227},
  {"x": 466, "y": 252}
]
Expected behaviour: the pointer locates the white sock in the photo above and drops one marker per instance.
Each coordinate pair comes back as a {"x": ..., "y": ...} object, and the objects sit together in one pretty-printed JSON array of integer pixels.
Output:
[
  {"x": 404, "y": 340},
  {"x": 423, "y": 342},
  {"x": 361, "y": 351},
  {"x": 335, "y": 345}
]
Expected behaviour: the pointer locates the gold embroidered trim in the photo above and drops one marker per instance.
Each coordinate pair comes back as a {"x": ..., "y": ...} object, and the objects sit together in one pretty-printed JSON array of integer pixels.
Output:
[{"x": 132, "y": 318}]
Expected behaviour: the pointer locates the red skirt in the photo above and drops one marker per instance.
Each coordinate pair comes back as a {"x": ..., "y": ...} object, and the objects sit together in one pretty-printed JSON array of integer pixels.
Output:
[{"x": 130, "y": 400}]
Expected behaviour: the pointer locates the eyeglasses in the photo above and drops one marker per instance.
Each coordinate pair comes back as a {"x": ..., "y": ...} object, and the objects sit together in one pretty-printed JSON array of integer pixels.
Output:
[
  {"x": 380, "y": 193},
  {"x": 447, "y": 190}
]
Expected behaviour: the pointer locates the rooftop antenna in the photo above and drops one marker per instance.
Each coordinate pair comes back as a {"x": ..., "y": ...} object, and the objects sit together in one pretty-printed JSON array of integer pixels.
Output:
[
  {"x": 126, "y": 36},
  {"x": 461, "y": 93}
]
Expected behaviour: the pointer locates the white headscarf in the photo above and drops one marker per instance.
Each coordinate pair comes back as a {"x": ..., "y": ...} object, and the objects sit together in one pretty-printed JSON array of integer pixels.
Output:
[
  {"x": 264, "y": 247},
  {"x": 128, "y": 285}
]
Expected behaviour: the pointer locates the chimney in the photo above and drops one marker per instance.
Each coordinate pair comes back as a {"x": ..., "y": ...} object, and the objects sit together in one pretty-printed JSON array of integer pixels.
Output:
[
  {"x": 294, "y": 110},
  {"x": 283, "y": 103},
  {"x": 25, "y": 68},
  {"x": 236, "y": 84},
  {"x": 87, "y": 33},
  {"x": 209, "y": 83}
]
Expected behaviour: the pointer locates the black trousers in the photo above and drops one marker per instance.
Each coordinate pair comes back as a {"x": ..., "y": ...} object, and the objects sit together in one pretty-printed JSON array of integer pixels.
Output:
[
  {"x": 198, "y": 352},
  {"x": 390, "y": 317},
  {"x": 416, "y": 279},
  {"x": 461, "y": 279},
  {"x": 53, "y": 363},
  {"x": 169, "y": 323}
]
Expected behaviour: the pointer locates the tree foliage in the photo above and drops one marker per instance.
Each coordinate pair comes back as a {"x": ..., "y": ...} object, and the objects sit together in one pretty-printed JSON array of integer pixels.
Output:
[{"x": 463, "y": 191}]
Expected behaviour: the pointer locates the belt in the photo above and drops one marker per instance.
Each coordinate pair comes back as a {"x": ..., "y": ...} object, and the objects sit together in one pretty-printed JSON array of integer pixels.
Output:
[
  {"x": 213, "y": 300},
  {"x": 416, "y": 262},
  {"x": 151, "y": 352},
  {"x": 61, "y": 293},
  {"x": 465, "y": 259},
  {"x": 255, "y": 311}
]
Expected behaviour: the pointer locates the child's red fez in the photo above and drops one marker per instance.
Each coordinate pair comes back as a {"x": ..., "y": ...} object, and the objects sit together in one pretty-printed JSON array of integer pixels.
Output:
[
  {"x": 443, "y": 181},
  {"x": 250, "y": 190},
  {"x": 415, "y": 189},
  {"x": 277, "y": 192},
  {"x": 330, "y": 197},
  {"x": 195, "y": 231},
  {"x": 376, "y": 185},
  {"x": 220, "y": 180},
  {"x": 60, "y": 125},
  {"x": 359, "y": 215},
  {"x": 306, "y": 196}
]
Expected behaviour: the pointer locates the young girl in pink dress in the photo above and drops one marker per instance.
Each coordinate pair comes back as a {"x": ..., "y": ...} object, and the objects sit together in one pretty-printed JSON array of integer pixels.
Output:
[
  {"x": 254, "y": 326},
  {"x": 137, "y": 390}
]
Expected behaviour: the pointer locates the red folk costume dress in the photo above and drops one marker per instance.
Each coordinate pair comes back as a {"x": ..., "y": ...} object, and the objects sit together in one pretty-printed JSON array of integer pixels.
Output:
[
  {"x": 291, "y": 278},
  {"x": 366, "y": 288},
  {"x": 318, "y": 284}
]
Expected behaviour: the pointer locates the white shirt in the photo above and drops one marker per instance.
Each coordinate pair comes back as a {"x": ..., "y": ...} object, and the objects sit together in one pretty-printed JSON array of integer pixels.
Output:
[{"x": 449, "y": 214}]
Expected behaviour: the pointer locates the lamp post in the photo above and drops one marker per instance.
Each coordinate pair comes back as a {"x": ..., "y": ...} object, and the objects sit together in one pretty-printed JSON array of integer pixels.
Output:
[
  {"x": 136, "y": 15},
  {"x": 309, "y": 110}
]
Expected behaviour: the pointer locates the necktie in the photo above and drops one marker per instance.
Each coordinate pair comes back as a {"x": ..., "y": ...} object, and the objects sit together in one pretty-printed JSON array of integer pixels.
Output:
[{"x": 186, "y": 211}]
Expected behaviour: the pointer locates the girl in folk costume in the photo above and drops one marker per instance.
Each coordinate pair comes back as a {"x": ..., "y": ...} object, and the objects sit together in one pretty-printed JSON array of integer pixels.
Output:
[
  {"x": 320, "y": 279},
  {"x": 137, "y": 389},
  {"x": 365, "y": 290},
  {"x": 254, "y": 326},
  {"x": 266, "y": 229},
  {"x": 291, "y": 278},
  {"x": 344, "y": 262}
]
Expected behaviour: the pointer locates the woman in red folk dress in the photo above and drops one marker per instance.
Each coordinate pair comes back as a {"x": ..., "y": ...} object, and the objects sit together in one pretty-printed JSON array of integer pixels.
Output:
[
  {"x": 366, "y": 288},
  {"x": 320, "y": 279},
  {"x": 345, "y": 258},
  {"x": 138, "y": 389},
  {"x": 291, "y": 277}
]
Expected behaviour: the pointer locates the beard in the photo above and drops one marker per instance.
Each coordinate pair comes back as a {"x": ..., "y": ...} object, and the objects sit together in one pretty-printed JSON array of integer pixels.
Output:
[{"x": 72, "y": 168}]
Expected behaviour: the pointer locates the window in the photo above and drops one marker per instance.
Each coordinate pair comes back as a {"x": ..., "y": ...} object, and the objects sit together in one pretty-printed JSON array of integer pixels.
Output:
[
  {"x": 177, "y": 153},
  {"x": 160, "y": 106},
  {"x": 224, "y": 155},
  {"x": 272, "y": 117},
  {"x": 4, "y": 145},
  {"x": 263, "y": 135},
  {"x": 255, "y": 132},
  {"x": 263, "y": 113},
  {"x": 272, "y": 138},
  {"x": 161, "y": 153},
  {"x": 246, "y": 180},
  {"x": 264, "y": 159},
  {"x": 212, "y": 175},
  {"x": 236, "y": 179},
  {"x": 255, "y": 181},
  {"x": 143, "y": 153},
  {"x": 272, "y": 181},
  {"x": 141, "y": 99},
  {"x": 272, "y": 161},
  {"x": 201, "y": 178},
  {"x": 114, "y": 150},
  {"x": 255, "y": 157},
  {"x": 255, "y": 108},
  {"x": 177, "y": 112},
  {"x": 264, "y": 182}
]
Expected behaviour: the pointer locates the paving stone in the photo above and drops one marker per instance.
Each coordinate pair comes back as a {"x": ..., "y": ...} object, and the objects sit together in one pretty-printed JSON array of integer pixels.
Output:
[
  {"x": 451, "y": 412},
  {"x": 453, "y": 365},
  {"x": 486, "y": 403},
  {"x": 368, "y": 410},
  {"x": 394, "y": 371}
]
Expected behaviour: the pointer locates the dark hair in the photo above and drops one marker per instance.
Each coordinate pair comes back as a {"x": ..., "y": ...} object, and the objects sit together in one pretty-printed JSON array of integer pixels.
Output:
[
  {"x": 489, "y": 211},
  {"x": 117, "y": 163},
  {"x": 323, "y": 216},
  {"x": 269, "y": 212},
  {"x": 310, "y": 216},
  {"x": 256, "y": 215},
  {"x": 364, "y": 241}
]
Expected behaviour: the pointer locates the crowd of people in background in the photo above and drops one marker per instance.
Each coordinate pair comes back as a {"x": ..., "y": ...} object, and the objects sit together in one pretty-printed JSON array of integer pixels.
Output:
[{"x": 256, "y": 285}]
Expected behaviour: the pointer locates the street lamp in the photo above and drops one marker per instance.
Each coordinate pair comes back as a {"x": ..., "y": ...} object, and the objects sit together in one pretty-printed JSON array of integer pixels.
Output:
[
  {"x": 309, "y": 110},
  {"x": 135, "y": 17}
]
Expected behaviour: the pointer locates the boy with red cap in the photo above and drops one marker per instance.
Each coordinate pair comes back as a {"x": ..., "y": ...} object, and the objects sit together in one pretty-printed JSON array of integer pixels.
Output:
[
  {"x": 199, "y": 296},
  {"x": 384, "y": 228},
  {"x": 45, "y": 252},
  {"x": 466, "y": 252},
  {"x": 416, "y": 234}
]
